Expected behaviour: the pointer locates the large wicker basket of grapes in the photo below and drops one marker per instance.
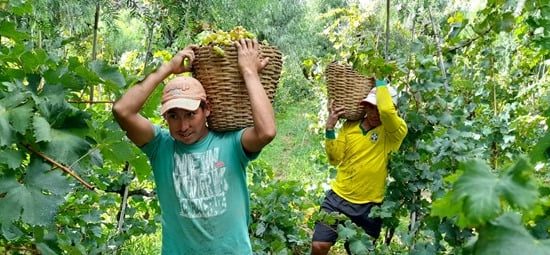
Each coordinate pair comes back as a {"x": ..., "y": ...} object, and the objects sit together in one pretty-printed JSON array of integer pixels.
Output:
[
  {"x": 216, "y": 67},
  {"x": 347, "y": 88}
]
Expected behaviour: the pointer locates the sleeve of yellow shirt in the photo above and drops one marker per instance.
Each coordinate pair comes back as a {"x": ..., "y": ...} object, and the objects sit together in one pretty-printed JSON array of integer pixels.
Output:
[
  {"x": 394, "y": 125},
  {"x": 335, "y": 147}
]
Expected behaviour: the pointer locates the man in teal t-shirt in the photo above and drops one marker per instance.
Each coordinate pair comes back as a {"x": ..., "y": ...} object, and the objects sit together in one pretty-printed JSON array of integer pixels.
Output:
[{"x": 199, "y": 174}]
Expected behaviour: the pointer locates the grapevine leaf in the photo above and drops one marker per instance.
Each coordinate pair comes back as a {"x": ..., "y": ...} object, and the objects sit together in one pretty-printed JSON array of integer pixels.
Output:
[
  {"x": 5, "y": 128},
  {"x": 346, "y": 232},
  {"x": 83, "y": 71},
  {"x": 10, "y": 208},
  {"x": 31, "y": 60},
  {"x": 21, "y": 117},
  {"x": 12, "y": 158},
  {"x": 356, "y": 246},
  {"x": 141, "y": 166},
  {"x": 260, "y": 229},
  {"x": 118, "y": 151},
  {"x": 541, "y": 151},
  {"x": 40, "y": 176},
  {"x": 65, "y": 116},
  {"x": 66, "y": 146},
  {"x": 506, "y": 235},
  {"x": 10, "y": 231},
  {"x": 45, "y": 249},
  {"x": 518, "y": 186},
  {"x": 37, "y": 200},
  {"x": 446, "y": 207},
  {"x": 8, "y": 29},
  {"x": 42, "y": 129},
  {"x": 108, "y": 74},
  {"x": 15, "y": 98},
  {"x": 21, "y": 7},
  {"x": 506, "y": 22},
  {"x": 477, "y": 187}
]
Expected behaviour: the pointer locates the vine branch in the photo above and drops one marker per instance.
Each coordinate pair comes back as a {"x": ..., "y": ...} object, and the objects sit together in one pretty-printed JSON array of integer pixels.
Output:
[
  {"x": 91, "y": 102},
  {"x": 137, "y": 192},
  {"x": 123, "y": 203},
  {"x": 62, "y": 167},
  {"x": 468, "y": 41}
]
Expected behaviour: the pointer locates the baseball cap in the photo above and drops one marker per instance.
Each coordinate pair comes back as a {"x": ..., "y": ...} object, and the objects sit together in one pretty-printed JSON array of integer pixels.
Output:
[
  {"x": 371, "y": 97},
  {"x": 182, "y": 92}
]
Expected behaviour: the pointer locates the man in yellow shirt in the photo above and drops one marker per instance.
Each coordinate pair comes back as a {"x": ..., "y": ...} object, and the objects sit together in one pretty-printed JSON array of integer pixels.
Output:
[{"x": 361, "y": 153}]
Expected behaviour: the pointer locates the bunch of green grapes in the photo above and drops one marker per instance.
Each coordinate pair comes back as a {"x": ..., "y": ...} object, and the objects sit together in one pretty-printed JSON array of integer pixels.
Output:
[{"x": 223, "y": 38}]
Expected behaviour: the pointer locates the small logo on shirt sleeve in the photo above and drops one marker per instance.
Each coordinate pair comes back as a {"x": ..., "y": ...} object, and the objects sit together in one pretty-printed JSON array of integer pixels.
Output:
[{"x": 374, "y": 137}]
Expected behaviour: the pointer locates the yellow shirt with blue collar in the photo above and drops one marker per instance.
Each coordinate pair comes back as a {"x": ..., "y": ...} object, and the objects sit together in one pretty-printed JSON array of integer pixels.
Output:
[{"x": 361, "y": 156}]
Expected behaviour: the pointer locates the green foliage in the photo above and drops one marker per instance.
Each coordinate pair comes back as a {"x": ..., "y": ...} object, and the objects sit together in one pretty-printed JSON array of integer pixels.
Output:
[
  {"x": 47, "y": 211},
  {"x": 506, "y": 235},
  {"x": 466, "y": 102},
  {"x": 278, "y": 213},
  {"x": 26, "y": 201},
  {"x": 477, "y": 194},
  {"x": 359, "y": 242}
]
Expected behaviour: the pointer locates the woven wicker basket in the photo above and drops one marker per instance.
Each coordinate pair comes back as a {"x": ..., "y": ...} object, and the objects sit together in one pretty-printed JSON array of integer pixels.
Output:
[
  {"x": 347, "y": 88},
  {"x": 225, "y": 87}
]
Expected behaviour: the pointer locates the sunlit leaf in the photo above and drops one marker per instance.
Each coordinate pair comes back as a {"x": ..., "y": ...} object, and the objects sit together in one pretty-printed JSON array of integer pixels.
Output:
[
  {"x": 8, "y": 30},
  {"x": 21, "y": 7},
  {"x": 31, "y": 60},
  {"x": 446, "y": 207},
  {"x": 518, "y": 185},
  {"x": 109, "y": 74},
  {"x": 541, "y": 151},
  {"x": 477, "y": 187}
]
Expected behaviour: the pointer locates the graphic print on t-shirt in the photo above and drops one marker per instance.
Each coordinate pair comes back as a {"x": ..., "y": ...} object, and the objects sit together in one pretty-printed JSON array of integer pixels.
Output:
[{"x": 200, "y": 184}]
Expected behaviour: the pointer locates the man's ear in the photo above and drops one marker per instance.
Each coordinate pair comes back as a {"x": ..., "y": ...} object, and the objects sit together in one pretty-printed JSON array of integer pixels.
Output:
[{"x": 207, "y": 109}]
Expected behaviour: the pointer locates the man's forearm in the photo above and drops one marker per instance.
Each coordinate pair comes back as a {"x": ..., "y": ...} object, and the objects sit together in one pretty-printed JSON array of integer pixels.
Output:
[
  {"x": 133, "y": 100},
  {"x": 262, "y": 110}
]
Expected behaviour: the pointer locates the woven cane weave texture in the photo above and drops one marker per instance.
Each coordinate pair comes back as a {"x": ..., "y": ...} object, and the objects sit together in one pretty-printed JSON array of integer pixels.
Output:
[
  {"x": 225, "y": 87},
  {"x": 347, "y": 88}
]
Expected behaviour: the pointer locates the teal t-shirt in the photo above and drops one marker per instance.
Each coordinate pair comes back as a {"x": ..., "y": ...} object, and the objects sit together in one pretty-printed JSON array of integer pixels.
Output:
[{"x": 202, "y": 193}]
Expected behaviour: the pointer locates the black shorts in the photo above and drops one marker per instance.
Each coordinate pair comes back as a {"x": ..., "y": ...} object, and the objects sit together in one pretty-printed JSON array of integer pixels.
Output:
[{"x": 358, "y": 214}]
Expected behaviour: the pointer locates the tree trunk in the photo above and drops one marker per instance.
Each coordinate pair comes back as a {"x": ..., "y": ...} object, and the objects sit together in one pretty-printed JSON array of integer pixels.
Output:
[
  {"x": 124, "y": 201},
  {"x": 387, "y": 29},
  {"x": 94, "y": 48},
  {"x": 389, "y": 235},
  {"x": 439, "y": 50},
  {"x": 149, "y": 54}
]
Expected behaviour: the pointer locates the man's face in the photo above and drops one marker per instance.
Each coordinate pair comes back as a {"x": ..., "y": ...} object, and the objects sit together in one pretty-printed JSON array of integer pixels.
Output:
[
  {"x": 186, "y": 126},
  {"x": 372, "y": 116}
]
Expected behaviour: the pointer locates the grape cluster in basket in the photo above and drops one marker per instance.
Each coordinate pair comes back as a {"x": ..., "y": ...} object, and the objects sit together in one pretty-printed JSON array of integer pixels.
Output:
[{"x": 222, "y": 38}]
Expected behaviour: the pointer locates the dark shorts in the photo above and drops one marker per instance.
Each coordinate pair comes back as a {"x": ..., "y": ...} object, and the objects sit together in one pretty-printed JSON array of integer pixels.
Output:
[{"x": 358, "y": 214}]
